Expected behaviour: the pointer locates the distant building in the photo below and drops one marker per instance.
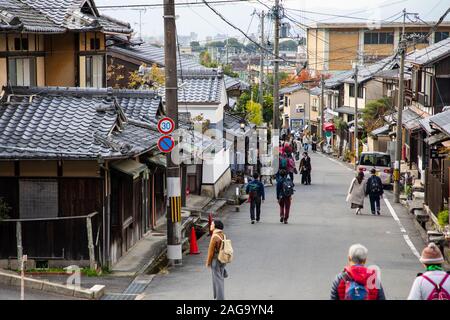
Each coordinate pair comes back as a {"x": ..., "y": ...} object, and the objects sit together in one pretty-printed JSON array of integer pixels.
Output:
[{"x": 334, "y": 46}]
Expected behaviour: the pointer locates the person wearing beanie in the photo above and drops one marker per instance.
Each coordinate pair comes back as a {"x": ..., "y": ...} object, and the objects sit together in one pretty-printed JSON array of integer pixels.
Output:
[{"x": 434, "y": 284}]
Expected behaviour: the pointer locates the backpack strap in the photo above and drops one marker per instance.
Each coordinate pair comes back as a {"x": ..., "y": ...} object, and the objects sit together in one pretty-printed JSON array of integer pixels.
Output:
[{"x": 437, "y": 286}]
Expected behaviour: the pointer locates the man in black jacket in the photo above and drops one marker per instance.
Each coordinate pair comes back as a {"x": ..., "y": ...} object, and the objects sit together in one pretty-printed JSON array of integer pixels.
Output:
[{"x": 375, "y": 191}]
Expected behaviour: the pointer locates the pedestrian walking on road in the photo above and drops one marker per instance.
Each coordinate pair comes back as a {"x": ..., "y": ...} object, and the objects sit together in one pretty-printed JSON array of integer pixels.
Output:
[
  {"x": 357, "y": 192},
  {"x": 374, "y": 190},
  {"x": 299, "y": 147},
  {"x": 219, "y": 273},
  {"x": 285, "y": 190},
  {"x": 314, "y": 143},
  {"x": 306, "y": 142},
  {"x": 256, "y": 195},
  {"x": 291, "y": 169},
  {"x": 434, "y": 284},
  {"x": 305, "y": 169},
  {"x": 357, "y": 282}
]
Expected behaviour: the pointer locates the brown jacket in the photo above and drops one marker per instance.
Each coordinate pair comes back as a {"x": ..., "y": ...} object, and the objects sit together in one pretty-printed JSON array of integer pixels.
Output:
[{"x": 214, "y": 246}]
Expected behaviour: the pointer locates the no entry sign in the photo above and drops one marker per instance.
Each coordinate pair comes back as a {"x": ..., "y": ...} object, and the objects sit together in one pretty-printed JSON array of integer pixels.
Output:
[
  {"x": 166, "y": 125},
  {"x": 166, "y": 144}
]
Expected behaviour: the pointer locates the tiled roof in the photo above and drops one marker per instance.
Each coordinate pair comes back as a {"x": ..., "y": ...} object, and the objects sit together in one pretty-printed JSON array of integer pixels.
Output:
[
  {"x": 442, "y": 121},
  {"x": 380, "y": 131},
  {"x": 431, "y": 53},
  {"x": 199, "y": 87},
  {"x": 292, "y": 88},
  {"x": 150, "y": 54},
  {"x": 410, "y": 119},
  {"x": 55, "y": 16},
  {"x": 337, "y": 79},
  {"x": 235, "y": 83},
  {"x": 72, "y": 123},
  {"x": 367, "y": 72},
  {"x": 232, "y": 124}
]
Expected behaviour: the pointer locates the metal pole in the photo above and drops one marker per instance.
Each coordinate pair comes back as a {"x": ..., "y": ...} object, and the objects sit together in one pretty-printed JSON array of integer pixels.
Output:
[
  {"x": 356, "y": 117},
  {"x": 399, "y": 137},
  {"x": 174, "y": 252},
  {"x": 261, "y": 63},
  {"x": 322, "y": 116},
  {"x": 276, "y": 79}
]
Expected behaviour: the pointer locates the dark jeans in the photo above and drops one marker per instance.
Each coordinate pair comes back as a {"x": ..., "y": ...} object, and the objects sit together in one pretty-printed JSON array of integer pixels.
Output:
[
  {"x": 291, "y": 175},
  {"x": 374, "y": 202},
  {"x": 285, "y": 206},
  {"x": 255, "y": 203},
  {"x": 306, "y": 177}
]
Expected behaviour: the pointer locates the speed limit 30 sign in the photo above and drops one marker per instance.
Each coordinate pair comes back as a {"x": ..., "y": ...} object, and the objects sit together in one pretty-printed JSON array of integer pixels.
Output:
[{"x": 166, "y": 125}]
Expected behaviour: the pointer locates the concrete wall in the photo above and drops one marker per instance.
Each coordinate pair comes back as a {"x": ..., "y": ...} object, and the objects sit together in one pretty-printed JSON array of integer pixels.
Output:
[
  {"x": 215, "y": 190},
  {"x": 350, "y": 101}
]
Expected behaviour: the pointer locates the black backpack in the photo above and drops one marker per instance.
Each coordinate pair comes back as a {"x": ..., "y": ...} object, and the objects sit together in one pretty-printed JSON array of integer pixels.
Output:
[
  {"x": 287, "y": 188},
  {"x": 375, "y": 185}
]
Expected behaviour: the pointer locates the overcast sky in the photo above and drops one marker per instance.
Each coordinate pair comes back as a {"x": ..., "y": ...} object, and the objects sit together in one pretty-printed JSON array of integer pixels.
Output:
[{"x": 201, "y": 20}]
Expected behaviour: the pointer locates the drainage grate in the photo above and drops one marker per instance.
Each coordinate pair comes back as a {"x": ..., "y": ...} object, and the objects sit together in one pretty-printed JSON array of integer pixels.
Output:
[
  {"x": 136, "y": 287},
  {"x": 119, "y": 296}
]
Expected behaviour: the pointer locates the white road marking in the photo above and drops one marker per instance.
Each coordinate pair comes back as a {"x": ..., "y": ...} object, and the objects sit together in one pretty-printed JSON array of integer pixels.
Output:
[
  {"x": 402, "y": 228},
  {"x": 391, "y": 210}
]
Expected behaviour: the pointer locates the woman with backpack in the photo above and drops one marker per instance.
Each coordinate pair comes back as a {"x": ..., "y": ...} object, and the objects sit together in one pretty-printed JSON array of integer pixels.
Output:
[
  {"x": 357, "y": 192},
  {"x": 285, "y": 190},
  {"x": 218, "y": 268},
  {"x": 434, "y": 284}
]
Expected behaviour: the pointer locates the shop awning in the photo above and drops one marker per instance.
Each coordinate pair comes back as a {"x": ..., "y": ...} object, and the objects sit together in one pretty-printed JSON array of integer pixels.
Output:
[
  {"x": 328, "y": 126},
  {"x": 129, "y": 167}
]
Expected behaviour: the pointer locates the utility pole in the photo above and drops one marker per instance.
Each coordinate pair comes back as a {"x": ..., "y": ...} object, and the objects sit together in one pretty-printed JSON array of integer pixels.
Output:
[
  {"x": 276, "y": 79},
  {"x": 356, "y": 116},
  {"x": 261, "y": 62},
  {"x": 174, "y": 253},
  {"x": 322, "y": 116},
  {"x": 398, "y": 149},
  {"x": 227, "y": 51}
]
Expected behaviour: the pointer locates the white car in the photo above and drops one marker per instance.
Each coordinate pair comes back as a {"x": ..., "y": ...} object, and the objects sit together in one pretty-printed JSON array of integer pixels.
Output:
[{"x": 380, "y": 161}]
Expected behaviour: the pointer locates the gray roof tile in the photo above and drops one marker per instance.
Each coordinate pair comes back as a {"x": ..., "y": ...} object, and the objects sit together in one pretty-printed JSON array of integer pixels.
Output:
[
  {"x": 431, "y": 53},
  {"x": 54, "y": 16},
  {"x": 66, "y": 123}
]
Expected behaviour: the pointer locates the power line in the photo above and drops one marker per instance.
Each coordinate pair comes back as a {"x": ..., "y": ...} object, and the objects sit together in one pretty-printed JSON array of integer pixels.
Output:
[{"x": 238, "y": 29}]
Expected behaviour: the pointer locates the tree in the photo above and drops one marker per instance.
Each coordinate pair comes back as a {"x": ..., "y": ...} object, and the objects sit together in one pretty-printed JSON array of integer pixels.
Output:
[
  {"x": 216, "y": 44},
  {"x": 289, "y": 45},
  {"x": 146, "y": 77},
  {"x": 268, "y": 108},
  {"x": 242, "y": 102},
  {"x": 254, "y": 112},
  {"x": 195, "y": 44},
  {"x": 373, "y": 113},
  {"x": 205, "y": 58},
  {"x": 228, "y": 70}
]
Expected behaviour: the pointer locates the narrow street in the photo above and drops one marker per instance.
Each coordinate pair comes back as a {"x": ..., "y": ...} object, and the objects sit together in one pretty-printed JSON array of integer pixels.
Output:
[{"x": 300, "y": 260}]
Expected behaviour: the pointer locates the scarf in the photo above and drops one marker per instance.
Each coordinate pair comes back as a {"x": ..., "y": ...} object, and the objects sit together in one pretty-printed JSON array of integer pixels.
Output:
[{"x": 434, "y": 268}]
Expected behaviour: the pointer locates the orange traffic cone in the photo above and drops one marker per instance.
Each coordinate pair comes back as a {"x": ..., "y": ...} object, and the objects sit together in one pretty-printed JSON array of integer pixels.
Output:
[{"x": 194, "y": 245}]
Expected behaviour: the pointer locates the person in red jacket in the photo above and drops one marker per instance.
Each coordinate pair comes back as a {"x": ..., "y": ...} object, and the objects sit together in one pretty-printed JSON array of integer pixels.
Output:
[{"x": 357, "y": 282}]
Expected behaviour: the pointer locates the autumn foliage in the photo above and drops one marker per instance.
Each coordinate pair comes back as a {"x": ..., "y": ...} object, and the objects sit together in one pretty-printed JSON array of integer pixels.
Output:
[{"x": 311, "y": 79}]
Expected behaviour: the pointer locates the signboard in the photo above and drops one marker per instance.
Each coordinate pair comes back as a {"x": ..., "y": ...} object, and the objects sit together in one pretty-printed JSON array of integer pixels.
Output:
[
  {"x": 166, "y": 125},
  {"x": 166, "y": 144}
]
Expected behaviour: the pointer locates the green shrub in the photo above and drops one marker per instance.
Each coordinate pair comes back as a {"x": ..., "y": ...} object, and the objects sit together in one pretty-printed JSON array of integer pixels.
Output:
[{"x": 443, "y": 218}]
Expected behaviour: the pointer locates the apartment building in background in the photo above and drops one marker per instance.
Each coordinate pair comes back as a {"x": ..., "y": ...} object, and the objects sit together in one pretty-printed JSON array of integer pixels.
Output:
[{"x": 333, "y": 47}]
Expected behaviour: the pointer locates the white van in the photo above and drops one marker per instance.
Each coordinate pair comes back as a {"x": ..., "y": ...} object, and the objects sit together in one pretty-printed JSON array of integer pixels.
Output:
[{"x": 380, "y": 161}]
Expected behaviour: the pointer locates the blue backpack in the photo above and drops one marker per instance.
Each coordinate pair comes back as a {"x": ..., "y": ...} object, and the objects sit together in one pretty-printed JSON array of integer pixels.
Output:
[{"x": 355, "y": 291}]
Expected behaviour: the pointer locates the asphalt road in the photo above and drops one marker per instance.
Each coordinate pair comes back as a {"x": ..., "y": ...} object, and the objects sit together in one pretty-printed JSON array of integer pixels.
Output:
[{"x": 301, "y": 259}]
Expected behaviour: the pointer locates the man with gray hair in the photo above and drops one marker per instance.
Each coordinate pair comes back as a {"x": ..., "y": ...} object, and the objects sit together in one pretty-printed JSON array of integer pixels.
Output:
[{"x": 357, "y": 282}]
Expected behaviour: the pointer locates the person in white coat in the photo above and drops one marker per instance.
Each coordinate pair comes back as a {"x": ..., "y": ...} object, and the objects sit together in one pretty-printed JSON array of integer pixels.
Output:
[
  {"x": 434, "y": 284},
  {"x": 357, "y": 192}
]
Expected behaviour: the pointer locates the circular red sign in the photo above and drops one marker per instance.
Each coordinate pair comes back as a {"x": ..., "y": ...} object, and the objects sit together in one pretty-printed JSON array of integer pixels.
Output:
[
  {"x": 166, "y": 144},
  {"x": 166, "y": 125}
]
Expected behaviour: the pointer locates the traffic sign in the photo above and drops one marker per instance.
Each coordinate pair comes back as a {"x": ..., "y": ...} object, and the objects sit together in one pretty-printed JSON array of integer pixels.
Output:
[
  {"x": 166, "y": 144},
  {"x": 166, "y": 125}
]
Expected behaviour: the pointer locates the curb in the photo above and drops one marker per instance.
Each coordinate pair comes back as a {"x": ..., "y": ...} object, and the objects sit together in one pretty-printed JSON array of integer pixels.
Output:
[{"x": 94, "y": 293}]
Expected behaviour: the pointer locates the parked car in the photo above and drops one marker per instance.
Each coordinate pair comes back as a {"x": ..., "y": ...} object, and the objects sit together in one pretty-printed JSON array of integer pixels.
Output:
[{"x": 380, "y": 161}]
